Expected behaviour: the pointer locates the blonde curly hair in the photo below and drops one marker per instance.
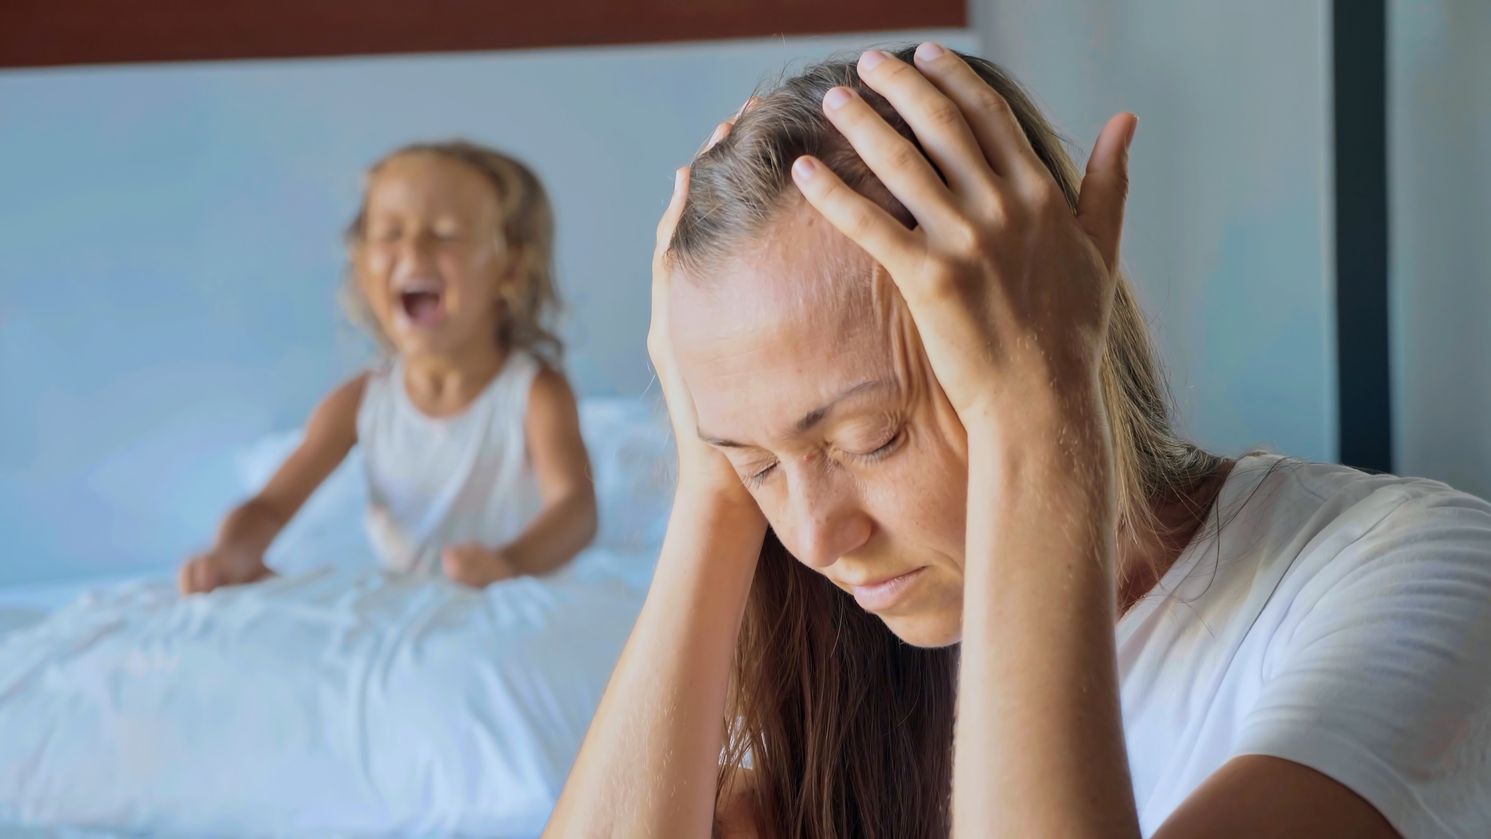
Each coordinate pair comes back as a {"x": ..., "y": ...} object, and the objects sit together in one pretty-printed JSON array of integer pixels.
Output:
[{"x": 532, "y": 300}]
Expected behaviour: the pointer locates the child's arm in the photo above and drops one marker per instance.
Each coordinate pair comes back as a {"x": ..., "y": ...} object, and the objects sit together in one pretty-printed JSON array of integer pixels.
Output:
[
  {"x": 568, "y": 521},
  {"x": 238, "y": 555}
]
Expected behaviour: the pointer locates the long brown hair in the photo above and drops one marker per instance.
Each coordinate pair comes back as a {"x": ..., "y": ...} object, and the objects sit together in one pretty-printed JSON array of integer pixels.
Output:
[
  {"x": 844, "y": 729},
  {"x": 531, "y": 301}
]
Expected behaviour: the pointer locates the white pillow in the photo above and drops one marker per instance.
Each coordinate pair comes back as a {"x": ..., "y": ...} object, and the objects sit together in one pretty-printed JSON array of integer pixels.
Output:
[{"x": 631, "y": 455}]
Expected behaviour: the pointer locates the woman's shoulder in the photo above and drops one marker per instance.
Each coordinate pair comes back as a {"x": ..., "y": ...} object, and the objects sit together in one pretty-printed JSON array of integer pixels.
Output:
[
  {"x": 1377, "y": 670},
  {"x": 1292, "y": 541},
  {"x": 1328, "y": 509}
]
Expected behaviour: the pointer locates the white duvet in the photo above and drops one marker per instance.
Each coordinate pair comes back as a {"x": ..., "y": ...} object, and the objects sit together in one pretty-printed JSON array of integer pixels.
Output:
[{"x": 335, "y": 702}]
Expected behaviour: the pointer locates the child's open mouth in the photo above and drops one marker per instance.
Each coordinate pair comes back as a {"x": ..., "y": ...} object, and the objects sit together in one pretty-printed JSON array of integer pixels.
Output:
[{"x": 422, "y": 307}]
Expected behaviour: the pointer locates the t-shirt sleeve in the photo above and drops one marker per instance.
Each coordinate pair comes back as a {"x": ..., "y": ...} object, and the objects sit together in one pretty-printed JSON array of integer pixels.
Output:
[{"x": 1381, "y": 679}]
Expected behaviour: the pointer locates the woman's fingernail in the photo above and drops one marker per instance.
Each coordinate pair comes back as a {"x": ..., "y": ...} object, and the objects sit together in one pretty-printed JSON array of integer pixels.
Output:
[
  {"x": 804, "y": 168},
  {"x": 836, "y": 98},
  {"x": 678, "y": 178},
  {"x": 930, "y": 51},
  {"x": 871, "y": 58}
]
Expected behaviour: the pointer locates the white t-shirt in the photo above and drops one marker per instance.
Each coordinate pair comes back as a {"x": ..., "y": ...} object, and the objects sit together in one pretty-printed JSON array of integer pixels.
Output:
[{"x": 1341, "y": 621}]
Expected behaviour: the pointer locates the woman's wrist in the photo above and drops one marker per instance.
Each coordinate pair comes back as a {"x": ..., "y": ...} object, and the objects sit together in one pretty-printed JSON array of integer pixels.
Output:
[
  {"x": 1043, "y": 428},
  {"x": 724, "y": 510}
]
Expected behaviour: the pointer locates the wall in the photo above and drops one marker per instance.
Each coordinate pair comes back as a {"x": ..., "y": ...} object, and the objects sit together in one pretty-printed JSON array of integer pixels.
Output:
[
  {"x": 1439, "y": 115},
  {"x": 1228, "y": 234}
]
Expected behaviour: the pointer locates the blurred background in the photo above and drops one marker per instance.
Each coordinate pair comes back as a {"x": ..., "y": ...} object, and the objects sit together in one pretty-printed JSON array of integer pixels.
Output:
[{"x": 1309, "y": 227}]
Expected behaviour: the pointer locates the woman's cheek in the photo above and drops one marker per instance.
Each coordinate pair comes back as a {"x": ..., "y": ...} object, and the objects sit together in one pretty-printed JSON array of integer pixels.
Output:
[{"x": 926, "y": 491}]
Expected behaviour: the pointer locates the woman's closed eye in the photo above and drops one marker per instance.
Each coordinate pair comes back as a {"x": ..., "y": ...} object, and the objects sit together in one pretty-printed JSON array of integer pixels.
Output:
[
  {"x": 881, "y": 451},
  {"x": 754, "y": 475}
]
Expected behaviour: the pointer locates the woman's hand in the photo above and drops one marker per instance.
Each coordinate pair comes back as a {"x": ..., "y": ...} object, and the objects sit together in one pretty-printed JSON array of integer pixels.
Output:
[
  {"x": 1010, "y": 289},
  {"x": 703, "y": 472},
  {"x": 649, "y": 764}
]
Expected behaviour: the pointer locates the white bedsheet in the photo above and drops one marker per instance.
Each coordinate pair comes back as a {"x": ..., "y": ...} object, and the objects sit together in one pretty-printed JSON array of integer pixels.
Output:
[{"x": 338, "y": 702}]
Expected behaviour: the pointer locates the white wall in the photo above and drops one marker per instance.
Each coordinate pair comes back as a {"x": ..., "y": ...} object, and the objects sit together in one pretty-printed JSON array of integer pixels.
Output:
[
  {"x": 1228, "y": 236},
  {"x": 1439, "y": 148},
  {"x": 169, "y": 254}
]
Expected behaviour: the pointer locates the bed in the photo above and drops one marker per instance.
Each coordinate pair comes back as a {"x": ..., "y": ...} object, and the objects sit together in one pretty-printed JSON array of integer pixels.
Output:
[{"x": 334, "y": 699}]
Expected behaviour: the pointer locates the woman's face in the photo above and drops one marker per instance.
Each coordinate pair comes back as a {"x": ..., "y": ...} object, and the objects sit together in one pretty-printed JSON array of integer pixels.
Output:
[
  {"x": 808, "y": 375},
  {"x": 430, "y": 262}
]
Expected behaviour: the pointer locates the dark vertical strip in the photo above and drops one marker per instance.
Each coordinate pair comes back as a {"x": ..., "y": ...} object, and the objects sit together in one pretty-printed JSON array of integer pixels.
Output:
[{"x": 1359, "y": 41}]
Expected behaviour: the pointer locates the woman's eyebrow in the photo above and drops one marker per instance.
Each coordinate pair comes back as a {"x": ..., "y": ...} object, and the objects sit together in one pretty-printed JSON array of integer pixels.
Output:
[
  {"x": 811, "y": 418},
  {"x": 817, "y": 415}
]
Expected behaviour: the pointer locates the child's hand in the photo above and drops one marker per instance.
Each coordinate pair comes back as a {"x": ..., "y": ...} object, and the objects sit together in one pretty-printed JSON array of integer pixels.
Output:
[
  {"x": 477, "y": 565},
  {"x": 221, "y": 566}
]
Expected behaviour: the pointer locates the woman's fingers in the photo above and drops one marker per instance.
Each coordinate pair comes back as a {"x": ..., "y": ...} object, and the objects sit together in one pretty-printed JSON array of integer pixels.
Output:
[
  {"x": 669, "y": 220},
  {"x": 999, "y": 134},
  {"x": 720, "y": 132},
  {"x": 863, "y": 221},
  {"x": 1105, "y": 187},
  {"x": 936, "y": 120},
  {"x": 895, "y": 160}
]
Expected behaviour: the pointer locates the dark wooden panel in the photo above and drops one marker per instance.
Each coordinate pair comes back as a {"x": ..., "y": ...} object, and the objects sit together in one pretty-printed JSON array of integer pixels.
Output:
[
  {"x": 38, "y": 33},
  {"x": 1359, "y": 55}
]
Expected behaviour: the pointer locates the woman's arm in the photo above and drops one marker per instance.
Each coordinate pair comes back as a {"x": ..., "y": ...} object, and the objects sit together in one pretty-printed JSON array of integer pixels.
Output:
[
  {"x": 651, "y": 758},
  {"x": 1011, "y": 292},
  {"x": 1039, "y": 747},
  {"x": 246, "y": 533}
]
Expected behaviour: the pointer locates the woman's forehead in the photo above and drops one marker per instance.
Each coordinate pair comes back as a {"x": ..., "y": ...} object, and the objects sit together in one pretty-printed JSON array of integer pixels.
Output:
[
  {"x": 772, "y": 332},
  {"x": 804, "y": 283}
]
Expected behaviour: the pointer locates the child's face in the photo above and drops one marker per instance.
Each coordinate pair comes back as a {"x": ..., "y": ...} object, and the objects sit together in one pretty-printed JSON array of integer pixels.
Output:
[{"x": 431, "y": 264}]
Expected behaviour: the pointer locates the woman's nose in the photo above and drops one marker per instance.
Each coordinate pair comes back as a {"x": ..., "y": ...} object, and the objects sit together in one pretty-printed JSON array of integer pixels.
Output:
[{"x": 828, "y": 523}]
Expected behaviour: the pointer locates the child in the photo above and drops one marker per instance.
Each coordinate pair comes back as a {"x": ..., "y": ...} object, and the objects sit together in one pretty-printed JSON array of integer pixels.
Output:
[{"x": 472, "y": 443}]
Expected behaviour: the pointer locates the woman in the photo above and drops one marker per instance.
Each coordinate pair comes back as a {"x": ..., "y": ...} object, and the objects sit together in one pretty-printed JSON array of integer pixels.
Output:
[{"x": 916, "y": 407}]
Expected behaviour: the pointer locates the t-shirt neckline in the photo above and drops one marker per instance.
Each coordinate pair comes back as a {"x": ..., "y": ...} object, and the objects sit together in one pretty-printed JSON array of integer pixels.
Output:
[{"x": 1243, "y": 479}]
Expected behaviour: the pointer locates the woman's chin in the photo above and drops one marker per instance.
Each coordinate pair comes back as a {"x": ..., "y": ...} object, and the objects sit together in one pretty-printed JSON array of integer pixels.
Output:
[{"x": 928, "y": 629}]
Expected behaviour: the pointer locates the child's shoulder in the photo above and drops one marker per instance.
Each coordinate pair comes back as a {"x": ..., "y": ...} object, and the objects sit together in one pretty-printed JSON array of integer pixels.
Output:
[
  {"x": 336, "y": 416},
  {"x": 347, "y": 396},
  {"x": 549, "y": 394}
]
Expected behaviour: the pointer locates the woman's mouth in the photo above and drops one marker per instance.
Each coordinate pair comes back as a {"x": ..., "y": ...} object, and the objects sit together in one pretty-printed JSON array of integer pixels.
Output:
[{"x": 885, "y": 594}]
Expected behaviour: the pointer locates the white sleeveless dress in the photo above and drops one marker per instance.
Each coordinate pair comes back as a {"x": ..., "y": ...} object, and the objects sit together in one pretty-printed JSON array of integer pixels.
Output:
[{"x": 435, "y": 482}]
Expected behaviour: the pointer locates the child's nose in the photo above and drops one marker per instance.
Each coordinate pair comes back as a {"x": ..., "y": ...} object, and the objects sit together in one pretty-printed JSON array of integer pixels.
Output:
[{"x": 417, "y": 247}]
